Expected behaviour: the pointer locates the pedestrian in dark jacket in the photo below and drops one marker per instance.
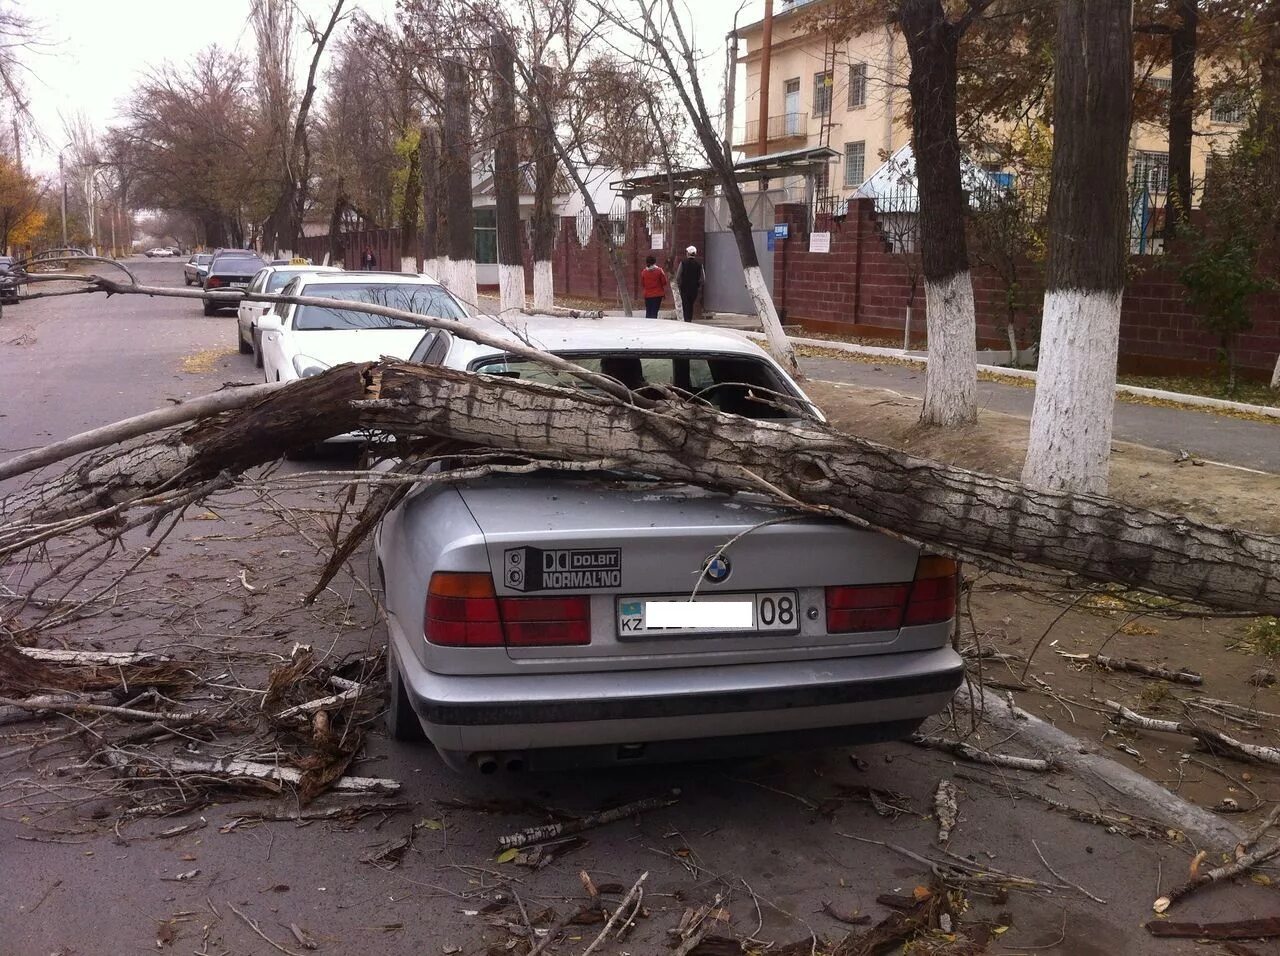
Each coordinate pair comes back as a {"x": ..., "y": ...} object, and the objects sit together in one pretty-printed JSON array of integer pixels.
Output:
[
  {"x": 689, "y": 279},
  {"x": 653, "y": 286},
  {"x": 367, "y": 261}
]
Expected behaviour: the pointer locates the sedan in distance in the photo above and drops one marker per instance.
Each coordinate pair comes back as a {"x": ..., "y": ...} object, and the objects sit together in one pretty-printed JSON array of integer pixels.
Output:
[
  {"x": 549, "y": 620},
  {"x": 196, "y": 268},
  {"x": 229, "y": 272}
]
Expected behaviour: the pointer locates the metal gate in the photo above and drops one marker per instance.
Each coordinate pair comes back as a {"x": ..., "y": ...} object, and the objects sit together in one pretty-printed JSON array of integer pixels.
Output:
[{"x": 726, "y": 291}]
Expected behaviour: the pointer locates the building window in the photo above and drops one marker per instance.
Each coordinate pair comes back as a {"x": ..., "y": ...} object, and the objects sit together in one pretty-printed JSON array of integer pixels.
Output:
[
  {"x": 857, "y": 85},
  {"x": 822, "y": 94},
  {"x": 1227, "y": 109},
  {"x": 1161, "y": 84},
  {"x": 855, "y": 164},
  {"x": 1151, "y": 171},
  {"x": 486, "y": 236},
  {"x": 791, "y": 107}
]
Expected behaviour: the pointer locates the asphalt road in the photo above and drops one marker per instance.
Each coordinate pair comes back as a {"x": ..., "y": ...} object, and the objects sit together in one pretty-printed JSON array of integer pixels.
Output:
[
  {"x": 769, "y": 838},
  {"x": 1204, "y": 434}
]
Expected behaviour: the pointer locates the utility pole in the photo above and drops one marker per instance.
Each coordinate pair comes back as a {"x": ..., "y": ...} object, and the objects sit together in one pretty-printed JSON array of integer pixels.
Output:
[
  {"x": 766, "y": 51},
  {"x": 63, "y": 177}
]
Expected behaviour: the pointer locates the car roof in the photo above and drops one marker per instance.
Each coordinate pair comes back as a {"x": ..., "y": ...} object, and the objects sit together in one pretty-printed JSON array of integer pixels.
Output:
[
  {"x": 296, "y": 268},
  {"x": 369, "y": 278},
  {"x": 560, "y": 335}
]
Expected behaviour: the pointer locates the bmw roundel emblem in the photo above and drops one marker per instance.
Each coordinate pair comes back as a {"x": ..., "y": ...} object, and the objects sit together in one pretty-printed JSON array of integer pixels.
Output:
[{"x": 717, "y": 568}]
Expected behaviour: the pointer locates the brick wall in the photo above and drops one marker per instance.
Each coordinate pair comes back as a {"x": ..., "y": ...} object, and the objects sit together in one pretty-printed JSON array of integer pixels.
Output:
[{"x": 860, "y": 287}]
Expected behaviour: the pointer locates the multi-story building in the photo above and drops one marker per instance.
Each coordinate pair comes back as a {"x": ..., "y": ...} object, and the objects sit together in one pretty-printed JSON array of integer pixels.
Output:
[{"x": 851, "y": 96}]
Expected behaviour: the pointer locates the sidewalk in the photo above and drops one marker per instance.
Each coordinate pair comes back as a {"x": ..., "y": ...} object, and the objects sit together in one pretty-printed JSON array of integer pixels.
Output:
[{"x": 1219, "y": 438}]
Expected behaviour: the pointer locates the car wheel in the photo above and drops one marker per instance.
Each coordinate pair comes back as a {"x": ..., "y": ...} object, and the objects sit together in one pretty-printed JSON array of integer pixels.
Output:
[
  {"x": 257, "y": 351},
  {"x": 245, "y": 347},
  {"x": 210, "y": 309},
  {"x": 402, "y": 723}
]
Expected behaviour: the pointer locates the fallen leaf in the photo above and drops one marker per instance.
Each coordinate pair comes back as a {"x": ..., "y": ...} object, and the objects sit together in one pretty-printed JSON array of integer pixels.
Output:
[
  {"x": 506, "y": 856},
  {"x": 1261, "y": 879},
  {"x": 999, "y": 930},
  {"x": 922, "y": 892},
  {"x": 1194, "y": 868},
  {"x": 431, "y": 825}
]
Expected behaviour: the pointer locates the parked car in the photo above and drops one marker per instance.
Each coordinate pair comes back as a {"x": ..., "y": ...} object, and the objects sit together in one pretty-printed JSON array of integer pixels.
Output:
[
  {"x": 197, "y": 267},
  {"x": 12, "y": 275},
  {"x": 525, "y": 615},
  {"x": 160, "y": 252},
  {"x": 269, "y": 279},
  {"x": 229, "y": 273},
  {"x": 301, "y": 340}
]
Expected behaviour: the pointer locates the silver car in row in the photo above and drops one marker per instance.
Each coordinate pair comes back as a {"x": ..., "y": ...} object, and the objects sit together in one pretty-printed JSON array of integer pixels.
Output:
[{"x": 545, "y": 620}]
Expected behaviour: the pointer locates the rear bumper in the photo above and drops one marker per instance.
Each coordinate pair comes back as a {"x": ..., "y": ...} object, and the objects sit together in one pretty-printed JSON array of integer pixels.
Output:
[{"x": 636, "y": 707}]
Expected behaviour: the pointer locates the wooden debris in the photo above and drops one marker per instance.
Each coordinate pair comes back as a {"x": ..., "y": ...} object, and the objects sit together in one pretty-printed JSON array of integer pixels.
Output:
[
  {"x": 1179, "y": 676},
  {"x": 945, "y": 809},
  {"x": 969, "y": 752},
  {"x": 1211, "y": 739},
  {"x": 1226, "y": 871},
  {"x": 33, "y": 707},
  {"x": 237, "y": 769},
  {"x": 550, "y": 831},
  {"x": 1268, "y": 927},
  {"x": 321, "y": 703},
  {"x": 58, "y": 655},
  {"x": 1258, "y": 832},
  {"x": 617, "y": 913},
  {"x": 80, "y": 706}
]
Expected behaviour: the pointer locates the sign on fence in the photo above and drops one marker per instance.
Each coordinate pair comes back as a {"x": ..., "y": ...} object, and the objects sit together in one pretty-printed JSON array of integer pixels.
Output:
[{"x": 820, "y": 242}]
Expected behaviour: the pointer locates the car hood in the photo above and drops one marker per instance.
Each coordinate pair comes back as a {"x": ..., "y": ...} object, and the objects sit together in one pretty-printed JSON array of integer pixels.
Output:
[{"x": 365, "y": 345}]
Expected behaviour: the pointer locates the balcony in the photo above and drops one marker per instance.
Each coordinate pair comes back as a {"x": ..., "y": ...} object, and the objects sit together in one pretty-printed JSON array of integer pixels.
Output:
[{"x": 784, "y": 130}]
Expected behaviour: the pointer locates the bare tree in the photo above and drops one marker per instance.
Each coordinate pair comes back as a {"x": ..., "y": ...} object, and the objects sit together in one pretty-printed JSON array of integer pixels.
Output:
[
  {"x": 506, "y": 173},
  {"x": 1070, "y": 445},
  {"x": 460, "y": 268},
  {"x": 543, "y": 220}
]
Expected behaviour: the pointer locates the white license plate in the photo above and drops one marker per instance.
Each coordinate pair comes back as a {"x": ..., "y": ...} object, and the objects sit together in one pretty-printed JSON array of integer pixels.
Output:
[
  {"x": 239, "y": 285},
  {"x": 773, "y": 612}
]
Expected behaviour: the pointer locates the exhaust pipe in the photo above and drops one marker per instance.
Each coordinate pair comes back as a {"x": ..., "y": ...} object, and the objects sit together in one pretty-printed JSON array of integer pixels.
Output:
[
  {"x": 486, "y": 763},
  {"x": 515, "y": 764}
]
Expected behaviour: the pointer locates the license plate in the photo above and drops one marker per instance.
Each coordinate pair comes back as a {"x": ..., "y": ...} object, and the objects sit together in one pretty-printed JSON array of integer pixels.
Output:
[
  {"x": 771, "y": 612},
  {"x": 239, "y": 285}
]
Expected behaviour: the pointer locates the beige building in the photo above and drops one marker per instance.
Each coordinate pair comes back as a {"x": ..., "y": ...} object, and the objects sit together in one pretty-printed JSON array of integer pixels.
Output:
[{"x": 852, "y": 97}]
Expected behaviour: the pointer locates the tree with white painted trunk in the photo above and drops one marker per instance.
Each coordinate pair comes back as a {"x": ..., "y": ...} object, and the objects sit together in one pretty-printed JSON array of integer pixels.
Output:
[
  {"x": 1070, "y": 444},
  {"x": 506, "y": 183},
  {"x": 432, "y": 183},
  {"x": 933, "y": 41},
  {"x": 661, "y": 31},
  {"x": 460, "y": 254},
  {"x": 543, "y": 218}
]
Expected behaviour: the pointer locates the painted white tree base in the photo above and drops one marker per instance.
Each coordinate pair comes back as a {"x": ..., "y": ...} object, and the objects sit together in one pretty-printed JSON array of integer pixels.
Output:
[
  {"x": 1275, "y": 376},
  {"x": 951, "y": 381},
  {"x": 435, "y": 269},
  {"x": 544, "y": 286},
  {"x": 409, "y": 264},
  {"x": 758, "y": 289},
  {"x": 1070, "y": 444},
  {"x": 511, "y": 288}
]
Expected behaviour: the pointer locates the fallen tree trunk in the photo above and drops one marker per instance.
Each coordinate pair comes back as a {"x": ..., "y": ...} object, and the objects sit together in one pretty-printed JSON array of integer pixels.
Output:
[{"x": 994, "y": 522}]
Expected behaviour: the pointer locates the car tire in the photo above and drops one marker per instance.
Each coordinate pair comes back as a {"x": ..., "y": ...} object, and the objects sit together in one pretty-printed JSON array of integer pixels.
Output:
[
  {"x": 402, "y": 723},
  {"x": 245, "y": 347},
  {"x": 210, "y": 309},
  {"x": 257, "y": 351}
]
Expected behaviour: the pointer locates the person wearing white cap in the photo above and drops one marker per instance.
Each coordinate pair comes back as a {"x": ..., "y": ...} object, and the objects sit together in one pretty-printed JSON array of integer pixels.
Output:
[{"x": 689, "y": 278}]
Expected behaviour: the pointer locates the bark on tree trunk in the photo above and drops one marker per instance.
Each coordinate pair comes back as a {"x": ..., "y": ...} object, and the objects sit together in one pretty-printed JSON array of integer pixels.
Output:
[
  {"x": 1182, "y": 94},
  {"x": 506, "y": 174},
  {"x": 460, "y": 225},
  {"x": 992, "y": 521},
  {"x": 544, "y": 189},
  {"x": 409, "y": 211},
  {"x": 336, "y": 252},
  {"x": 429, "y": 164},
  {"x": 951, "y": 384},
  {"x": 1070, "y": 443}
]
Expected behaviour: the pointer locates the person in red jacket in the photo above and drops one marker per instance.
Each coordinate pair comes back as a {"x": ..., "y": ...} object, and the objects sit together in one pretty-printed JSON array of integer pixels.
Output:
[{"x": 653, "y": 286}]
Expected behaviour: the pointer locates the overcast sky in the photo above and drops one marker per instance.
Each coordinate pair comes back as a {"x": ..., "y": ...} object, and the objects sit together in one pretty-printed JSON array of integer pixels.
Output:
[{"x": 96, "y": 50}]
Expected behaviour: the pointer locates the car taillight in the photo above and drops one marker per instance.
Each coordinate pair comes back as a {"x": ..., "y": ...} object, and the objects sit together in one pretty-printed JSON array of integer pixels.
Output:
[
  {"x": 213, "y": 282},
  {"x": 462, "y": 610},
  {"x": 875, "y": 607},
  {"x": 933, "y": 593},
  {"x": 929, "y": 599}
]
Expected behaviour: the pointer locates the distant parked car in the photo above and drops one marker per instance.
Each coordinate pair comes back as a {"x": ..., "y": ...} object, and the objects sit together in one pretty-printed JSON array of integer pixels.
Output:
[
  {"x": 160, "y": 252},
  {"x": 270, "y": 279},
  {"x": 197, "y": 268},
  {"x": 11, "y": 277},
  {"x": 229, "y": 272}
]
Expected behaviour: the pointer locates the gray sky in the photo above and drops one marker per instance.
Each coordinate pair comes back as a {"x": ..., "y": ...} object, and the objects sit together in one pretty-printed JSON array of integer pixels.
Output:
[{"x": 97, "y": 50}]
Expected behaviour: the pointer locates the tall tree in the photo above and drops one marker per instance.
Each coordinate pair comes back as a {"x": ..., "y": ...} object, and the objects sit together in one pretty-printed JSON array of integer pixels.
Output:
[
  {"x": 543, "y": 219},
  {"x": 1070, "y": 444},
  {"x": 506, "y": 173},
  {"x": 1182, "y": 108},
  {"x": 460, "y": 269}
]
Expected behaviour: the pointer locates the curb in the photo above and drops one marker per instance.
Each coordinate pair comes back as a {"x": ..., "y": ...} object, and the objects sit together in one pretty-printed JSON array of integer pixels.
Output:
[{"x": 1182, "y": 398}]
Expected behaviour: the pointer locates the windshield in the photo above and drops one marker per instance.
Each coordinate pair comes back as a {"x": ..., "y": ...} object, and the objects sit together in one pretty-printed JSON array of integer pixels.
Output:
[
  {"x": 422, "y": 299},
  {"x": 203, "y": 260},
  {"x": 736, "y": 384},
  {"x": 277, "y": 279}
]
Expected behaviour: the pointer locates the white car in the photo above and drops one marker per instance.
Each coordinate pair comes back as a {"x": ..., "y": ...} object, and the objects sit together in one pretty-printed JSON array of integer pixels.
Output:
[
  {"x": 302, "y": 340},
  {"x": 543, "y": 620},
  {"x": 269, "y": 279},
  {"x": 160, "y": 252}
]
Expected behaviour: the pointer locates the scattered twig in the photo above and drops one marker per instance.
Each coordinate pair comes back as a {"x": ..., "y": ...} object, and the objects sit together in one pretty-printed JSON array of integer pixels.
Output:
[
  {"x": 233, "y": 769},
  {"x": 1211, "y": 739},
  {"x": 969, "y": 752},
  {"x": 541, "y": 834},
  {"x": 252, "y": 924},
  {"x": 621, "y": 908},
  {"x": 1258, "y": 832},
  {"x": 82, "y": 707},
  {"x": 58, "y": 655},
  {"x": 321, "y": 703},
  {"x": 1062, "y": 878},
  {"x": 1226, "y": 871},
  {"x": 1179, "y": 676}
]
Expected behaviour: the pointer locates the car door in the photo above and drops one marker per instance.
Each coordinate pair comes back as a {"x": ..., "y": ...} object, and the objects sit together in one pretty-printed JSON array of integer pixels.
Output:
[
  {"x": 274, "y": 342},
  {"x": 248, "y": 312}
]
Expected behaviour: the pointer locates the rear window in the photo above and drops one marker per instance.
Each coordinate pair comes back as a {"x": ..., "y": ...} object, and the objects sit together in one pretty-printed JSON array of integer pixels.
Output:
[
  {"x": 736, "y": 384},
  {"x": 236, "y": 265},
  {"x": 430, "y": 300},
  {"x": 203, "y": 260}
]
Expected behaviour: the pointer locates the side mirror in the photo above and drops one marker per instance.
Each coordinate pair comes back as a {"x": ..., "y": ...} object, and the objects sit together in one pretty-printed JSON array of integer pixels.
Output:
[{"x": 269, "y": 323}]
